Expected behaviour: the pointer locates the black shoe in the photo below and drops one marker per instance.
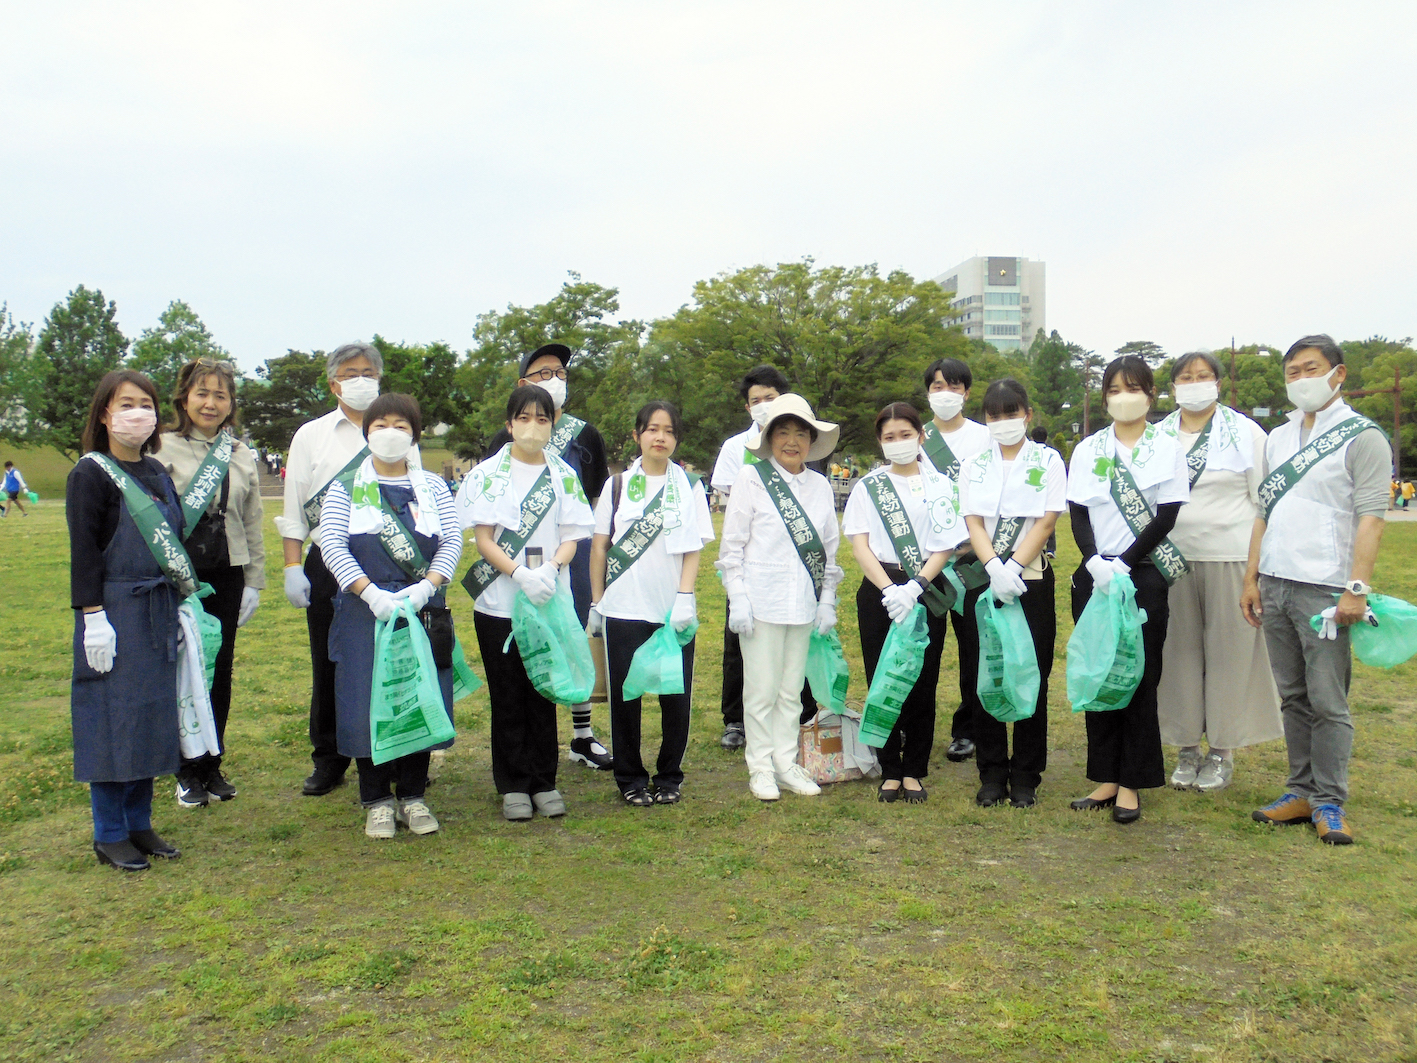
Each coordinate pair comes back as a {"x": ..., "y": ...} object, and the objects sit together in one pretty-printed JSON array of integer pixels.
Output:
[
  {"x": 888, "y": 796},
  {"x": 1023, "y": 796},
  {"x": 917, "y": 796},
  {"x": 122, "y": 855},
  {"x": 733, "y": 737},
  {"x": 321, "y": 782},
  {"x": 991, "y": 794},
  {"x": 639, "y": 798},
  {"x": 960, "y": 749},
  {"x": 149, "y": 844},
  {"x": 190, "y": 791},
  {"x": 217, "y": 786},
  {"x": 667, "y": 795},
  {"x": 591, "y": 753},
  {"x": 1126, "y": 815},
  {"x": 1087, "y": 804}
]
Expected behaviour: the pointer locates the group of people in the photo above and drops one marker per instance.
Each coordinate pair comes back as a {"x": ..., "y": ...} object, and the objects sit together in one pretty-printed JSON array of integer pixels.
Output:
[{"x": 1226, "y": 535}]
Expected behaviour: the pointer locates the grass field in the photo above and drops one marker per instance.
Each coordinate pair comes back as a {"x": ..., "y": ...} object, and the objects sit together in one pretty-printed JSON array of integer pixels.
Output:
[{"x": 721, "y": 929}]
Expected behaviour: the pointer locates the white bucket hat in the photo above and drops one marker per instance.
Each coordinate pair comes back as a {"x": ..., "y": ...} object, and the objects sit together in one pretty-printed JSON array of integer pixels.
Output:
[{"x": 792, "y": 405}]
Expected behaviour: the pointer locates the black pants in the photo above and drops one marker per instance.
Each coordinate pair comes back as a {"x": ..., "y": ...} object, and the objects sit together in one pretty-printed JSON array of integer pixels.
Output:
[
  {"x": 622, "y": 639},
  {"x": 732, "y": 697},
  {"x": 523, "y": 723},
  {"x": 991, "y": 738},
  {"x": 906, "y": 753},
  {"x": 967, "y": 636},
  {"x": 406, "y": 775},
  {"x": 323, "y": 588},
  {"x": 1124, "y": 745},
  {"x": 224, "y": 604}
]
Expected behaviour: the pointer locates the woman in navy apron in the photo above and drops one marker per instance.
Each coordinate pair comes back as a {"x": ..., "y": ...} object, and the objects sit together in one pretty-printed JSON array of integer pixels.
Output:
[
  {"x": 124, "y": 694},
  {"x": 371, "y": 583}
]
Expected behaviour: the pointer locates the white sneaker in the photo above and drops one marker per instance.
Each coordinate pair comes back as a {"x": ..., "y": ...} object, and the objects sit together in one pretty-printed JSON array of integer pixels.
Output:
[
  {"x": 1188, "y": 764},
  {"x": 798, "y": 781},
  {"x": 762, "y": 786},
  {"x": 1215, "y": 774},
  {"x": 415, "y": 816},
  {"x": 379, "y": 820}
]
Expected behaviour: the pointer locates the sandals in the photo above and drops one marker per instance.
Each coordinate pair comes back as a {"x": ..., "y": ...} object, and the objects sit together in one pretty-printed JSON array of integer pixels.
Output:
[
  {"x": 639, "y": 798},
  {"x": 668, "y": 795}
]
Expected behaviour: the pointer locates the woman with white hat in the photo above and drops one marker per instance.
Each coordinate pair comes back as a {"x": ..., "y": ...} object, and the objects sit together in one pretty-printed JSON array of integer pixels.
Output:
[{"x": 778, "y": 560}]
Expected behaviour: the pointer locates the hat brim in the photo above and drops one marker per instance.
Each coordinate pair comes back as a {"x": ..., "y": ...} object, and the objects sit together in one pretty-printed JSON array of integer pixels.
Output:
[
  {"x": 822, "y": 446},
  {"x": 557, "y": 350}
]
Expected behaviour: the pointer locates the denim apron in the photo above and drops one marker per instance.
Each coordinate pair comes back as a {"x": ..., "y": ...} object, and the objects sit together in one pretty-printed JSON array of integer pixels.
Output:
[
  {"x": 125, "y": 720},
  {"x": 352, "y": 631}
]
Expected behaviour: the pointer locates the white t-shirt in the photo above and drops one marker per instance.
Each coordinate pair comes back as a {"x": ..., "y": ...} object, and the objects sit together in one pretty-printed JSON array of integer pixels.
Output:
[
  {"x": 861, "y": 516},
  {"x": 967, "y": 440},
  {"x": 1215, "y": 524},
  {"x": 730, "y": 462},
  {"x": 646, "y": 590},
  {"x": 1054, "y": 490},
  {"x": 1109, "y": 527}
]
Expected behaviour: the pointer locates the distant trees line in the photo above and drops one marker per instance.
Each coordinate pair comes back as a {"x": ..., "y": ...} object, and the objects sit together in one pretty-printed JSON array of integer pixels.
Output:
[{"x": 850, "y": 339}]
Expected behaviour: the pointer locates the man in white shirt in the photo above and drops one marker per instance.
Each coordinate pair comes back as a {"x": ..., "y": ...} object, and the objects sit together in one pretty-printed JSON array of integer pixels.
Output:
[
  {"x": 1312, "y": 553},
  {"x": 320, "y": 451},
  {"x": 757, "y": 390},
  {"x": 951, "y": 438}
]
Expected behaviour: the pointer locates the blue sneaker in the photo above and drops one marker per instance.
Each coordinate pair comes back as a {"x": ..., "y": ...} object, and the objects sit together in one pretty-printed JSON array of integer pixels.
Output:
[{"x": 1332, "y": 827}]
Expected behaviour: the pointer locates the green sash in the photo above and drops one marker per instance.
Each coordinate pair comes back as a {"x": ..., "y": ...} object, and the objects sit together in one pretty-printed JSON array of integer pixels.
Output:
[
  {"x": 1135, "y": 511},
  {"x": 1277, "y": 484},
  {"x": 312, "y": 505},
  {"x": 166, "y": 548},
  {"x": 638, "y": 537},
  {"x": 907, "y": 547},
  {"x": 396, "y": 539},
  {"x": 939, "y": 452},
  {"x": 564, "y": 434},
  {"x": 749, "y": 458},
  {"x": 1196, "y": 456},
  {"x": 804, "y": 537},
  {"x": 537, "y": 503},
  {"x": 208, "y": 477}
]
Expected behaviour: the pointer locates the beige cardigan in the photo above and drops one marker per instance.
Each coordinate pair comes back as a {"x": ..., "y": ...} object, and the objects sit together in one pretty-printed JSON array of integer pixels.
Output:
[{"x": 181, "y": 455}]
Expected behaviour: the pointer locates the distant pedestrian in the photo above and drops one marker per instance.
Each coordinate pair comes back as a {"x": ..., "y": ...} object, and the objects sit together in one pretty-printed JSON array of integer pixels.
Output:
[{"x": 15, "y": 487}]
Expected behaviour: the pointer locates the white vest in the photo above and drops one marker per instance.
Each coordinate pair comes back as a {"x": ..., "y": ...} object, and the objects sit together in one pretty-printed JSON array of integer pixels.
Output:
[{"x": 1310, "y": 534}]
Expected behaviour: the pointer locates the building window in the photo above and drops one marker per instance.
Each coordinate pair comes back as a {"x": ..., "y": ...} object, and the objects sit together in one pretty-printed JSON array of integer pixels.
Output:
[
  {"x": 1001, "y": 315},
  {"x": 1001, "y": 330},
  {"x": 1001, "y": 298}
]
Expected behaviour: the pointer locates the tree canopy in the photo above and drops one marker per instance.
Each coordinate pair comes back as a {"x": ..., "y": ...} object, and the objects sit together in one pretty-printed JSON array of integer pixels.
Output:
[
  {"x": 79, "y": 343},
  {"x": 178, "y": 338}
]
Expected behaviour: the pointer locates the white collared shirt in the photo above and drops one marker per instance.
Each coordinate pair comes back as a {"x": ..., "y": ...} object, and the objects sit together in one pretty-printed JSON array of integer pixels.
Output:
[
  {"x": 320, "y": 449},
  {"x": 646, "y": 590},
  {"x": 1168, "y": 482},
  {"x": 758, "y": 558},
  {"x": 861, "y": 515},
  {"x": 967, "y": 440},
  {"x": 730, "y": 462}
]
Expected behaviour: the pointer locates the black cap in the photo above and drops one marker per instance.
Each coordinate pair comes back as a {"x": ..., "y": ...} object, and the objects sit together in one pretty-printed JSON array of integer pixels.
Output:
[{"x": 558, "y": 350}]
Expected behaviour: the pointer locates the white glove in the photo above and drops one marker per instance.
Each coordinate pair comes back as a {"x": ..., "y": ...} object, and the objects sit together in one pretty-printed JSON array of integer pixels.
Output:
[
  {"x": 686, "y": 611},
  {"x": 898, "y": 601},
  {"x": 1329, "y": 628},
  {"x": 250, "y": 598},
  {"x": 100, "y": 641},
  {"x": 381, "y": 603},
  {"x": 1101, "y": 571},
  {"x": 1005, "y": 579},
  {"x": 418, "y": 593},
  {"x": 534, "y": 586},
  {"x": 1120, "y": 567},
  {"x": 297, "y": 587},
  {"x": 740, "y": 616},
  {"x": 826, "y": 617},
  {"x": 595, "y": 622}
]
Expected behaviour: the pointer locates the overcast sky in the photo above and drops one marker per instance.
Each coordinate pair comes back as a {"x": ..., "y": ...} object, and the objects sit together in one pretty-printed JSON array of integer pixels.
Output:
[{"x": 305, "y": 174}]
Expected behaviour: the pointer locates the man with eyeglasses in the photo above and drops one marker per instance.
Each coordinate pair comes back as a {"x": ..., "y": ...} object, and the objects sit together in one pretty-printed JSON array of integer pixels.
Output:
[
  {"x": 321, "y": 450},
  {"x": 582, "y": 447}
]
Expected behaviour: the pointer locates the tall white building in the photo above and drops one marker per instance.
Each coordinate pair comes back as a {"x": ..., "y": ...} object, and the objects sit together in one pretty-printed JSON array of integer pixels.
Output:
[{"x": 999, "y": 300}]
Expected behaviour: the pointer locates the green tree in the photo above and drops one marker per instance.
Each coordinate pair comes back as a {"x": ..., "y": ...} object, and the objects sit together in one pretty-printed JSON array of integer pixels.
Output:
[
  {"x": 16, "y": 367},
  {"x": 428, "y": 372},
  {"x": 1151, "y": 352},
  {"x": 1057, "y": 379},
  {"x": 289, "y": 391},
  {"x": 1384, "y": 362},
  {"x": 79, "y": 343},
  {"x": 178, "y": 338}
]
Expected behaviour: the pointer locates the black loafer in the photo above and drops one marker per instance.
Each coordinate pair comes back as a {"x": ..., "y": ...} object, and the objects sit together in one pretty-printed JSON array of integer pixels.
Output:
[
  {"x": 991, "y": 794},
  {"x": 887, "y": 796},
  {"x": 320, "y": 783},
  {"x": 1022, "y": 796},
  {"x": 960, "y": 749},
  {"x": 1126, "y": 815},
  {"x": 122, "y": 855},
  {"x": 149, "y": 844},
  {"x": 914, "y": 797},
  {"x": 1087, "y": 804}
]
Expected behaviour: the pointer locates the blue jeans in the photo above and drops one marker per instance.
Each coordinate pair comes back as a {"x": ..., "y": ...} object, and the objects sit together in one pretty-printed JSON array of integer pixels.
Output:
[{"x": 120, "y": 808}]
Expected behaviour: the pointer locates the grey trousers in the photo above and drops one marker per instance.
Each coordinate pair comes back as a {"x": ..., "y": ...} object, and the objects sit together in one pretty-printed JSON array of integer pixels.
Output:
[{"x": 1312, "y": 675}]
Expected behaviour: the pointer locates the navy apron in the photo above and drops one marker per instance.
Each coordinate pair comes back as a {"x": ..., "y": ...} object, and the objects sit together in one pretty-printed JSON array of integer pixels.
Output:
[
  {"x": 352, "y": 630},
  {"x": 125, "y": 720}
]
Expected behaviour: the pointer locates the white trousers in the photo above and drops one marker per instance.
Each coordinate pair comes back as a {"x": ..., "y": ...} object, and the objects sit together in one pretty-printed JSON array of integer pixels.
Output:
[{"x": 774, "y": 665}]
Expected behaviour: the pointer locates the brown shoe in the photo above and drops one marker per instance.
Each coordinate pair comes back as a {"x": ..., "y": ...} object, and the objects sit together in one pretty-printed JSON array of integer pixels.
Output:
[
  {"x": 1332, "y": 825},
  {"x": 1288, "y": 810}
]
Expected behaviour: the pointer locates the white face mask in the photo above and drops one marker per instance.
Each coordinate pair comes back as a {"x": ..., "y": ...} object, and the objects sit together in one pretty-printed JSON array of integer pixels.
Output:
[
  {"x": 556, "y": 388},
  {"x": 901, "y": 451},
  {"x": 1311, "y": 393},
  {"x": 1128, "y": 405},
  {"x": 946, "y": 404},
  {"x": 359, "y": 392},
  {"x": 1198, "y": 396},
  {"x": 1007, "y": 433},
  {"x": 390, "y": 444},
  {"x": 760, "y": 412}
]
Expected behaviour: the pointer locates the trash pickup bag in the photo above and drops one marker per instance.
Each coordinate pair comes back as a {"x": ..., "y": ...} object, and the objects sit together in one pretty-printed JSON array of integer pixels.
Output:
[
  {"x": 828, "y": 674},
  {"x": 902, "y": 657},
  {"x": 1008, "y": 667},
  {"x": 553, "y": 647},
  {"x": 658, "y": 665},
  {"x": 1388, "y": 642},
  {"x": 1105, "y": 653},
  {"x": 465, "y": 680},
  {"x": 33, "y": 497},
  {"x": 406, "y": 710},
  {"x": 208, "y": 630}
]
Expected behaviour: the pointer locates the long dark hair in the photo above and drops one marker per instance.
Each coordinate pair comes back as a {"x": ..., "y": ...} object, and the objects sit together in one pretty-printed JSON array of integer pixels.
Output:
[
  {"x": 899, "y": 411},
  {"x": 96, "y": 432}
]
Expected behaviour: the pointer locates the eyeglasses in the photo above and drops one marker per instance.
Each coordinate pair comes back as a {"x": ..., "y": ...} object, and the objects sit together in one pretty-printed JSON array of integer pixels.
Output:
[
  {"x": 547, "y": 374},
  {"x": 367, "y": 374},
  {"x": 216, "y": 363}
]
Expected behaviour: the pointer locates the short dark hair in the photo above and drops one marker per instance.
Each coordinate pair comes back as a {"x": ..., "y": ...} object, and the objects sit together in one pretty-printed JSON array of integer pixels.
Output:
[
  {"x": 529, "y": 395},
  {"x": 9, "y": 465},
  {"x": 791, "y": 418},
  {"x": 1133, "y": 369},
  {"x": 649, "y": 409},
  {"x": 899, "y": 411},
  {"x": 954, "y": 371},
  {"x": 1006, "y": 396},
  {"x": 405, "y": 406},
  {"x": 1190, "y": 356},
  {"x": 190, "y": 376},
  {"x": 1039, "y": 434},
  {"x": 96, "y": 432},
  {"x": 1321, "y": 342},
  {"x": 763, "y": 376}
]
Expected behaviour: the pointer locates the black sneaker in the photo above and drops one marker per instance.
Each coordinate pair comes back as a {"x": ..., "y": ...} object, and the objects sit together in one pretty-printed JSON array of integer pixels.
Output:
[
  {"x": 960, "y": 749},
  {"x": 733, "y": 737},
  {"x": 217, "y": 786},
  {"x": 591, "y": 753},
  {"x": 190, "y": 791}
]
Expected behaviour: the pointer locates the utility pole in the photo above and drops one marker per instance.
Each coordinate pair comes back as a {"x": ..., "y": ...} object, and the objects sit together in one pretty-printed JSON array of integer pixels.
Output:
[{"x": 1234, "y": 402}]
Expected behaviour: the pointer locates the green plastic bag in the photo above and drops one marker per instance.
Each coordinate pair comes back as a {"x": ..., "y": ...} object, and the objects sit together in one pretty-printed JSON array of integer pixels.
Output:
[
  {"x": 1389, "y": 642},
  {"x": 209, "y": 628},
  {"x": 658, "y": 665},
  {"x": 465, "y": 680},
  {"x": 902, "y": 657},
  {"x": 1008, "y": 667},
  {"x": 828, "y": 675},
  {"x": 553, "y": 647},
  {"x": 1105, "y": 653},
  {"x": 33, "y": 497},
  {"x": 406, "y": 711}
]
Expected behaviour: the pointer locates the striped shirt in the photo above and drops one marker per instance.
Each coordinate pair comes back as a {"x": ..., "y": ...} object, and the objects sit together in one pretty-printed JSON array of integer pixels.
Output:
[{"x": 334, "y": 531}]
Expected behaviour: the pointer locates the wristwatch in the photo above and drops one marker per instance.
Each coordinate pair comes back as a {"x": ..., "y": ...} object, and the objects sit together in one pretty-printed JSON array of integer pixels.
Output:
[{"x": 1358, "y": 587}]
